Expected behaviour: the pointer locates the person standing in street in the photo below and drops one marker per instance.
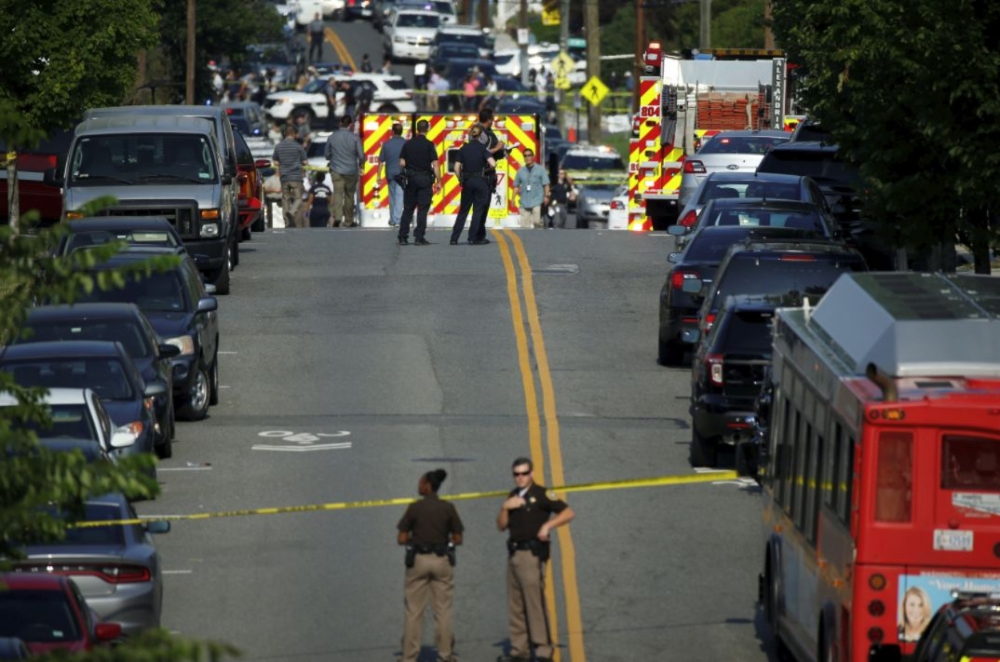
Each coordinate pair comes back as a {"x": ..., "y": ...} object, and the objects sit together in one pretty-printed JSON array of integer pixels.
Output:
[
  {"x": 289, "y": 159},
  {"x": 561, "y": 194},
  {"x": 531, "y": 183},
  {"x": 366, "y": 64},
  {"x": 430, "y": 529},
  {"x": 388, "y": 158},
  {"x": 421, "y": 163},
  {"x": 318, "y": 202},
  {"x": 498, "y": 151},
  {"x": 345, "y": 156},
  {"x": 317, "y": 35},
  {"x": 526, "y": 515},
  {"x": 471, "y": 166}
]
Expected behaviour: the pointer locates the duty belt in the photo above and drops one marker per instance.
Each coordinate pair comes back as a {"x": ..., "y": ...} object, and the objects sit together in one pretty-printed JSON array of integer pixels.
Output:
[{"x": 440, "y": 550}]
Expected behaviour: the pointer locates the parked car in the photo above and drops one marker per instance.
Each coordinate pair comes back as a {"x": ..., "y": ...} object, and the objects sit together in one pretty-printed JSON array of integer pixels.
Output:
[
  {"x": 593, "y": 205},
  {"x": 760, "y": 212},
  {"x": 124, "y": 323},
  {"x": 355, "y": 9},
  {"x": 806, "y": 267},
  {"x": 93, "y": 231},
  {"x": 727, "y": 373},
  {"x": 250, "y": 203},
  {"x": 117, "y": 568},
  {"x": 598, "y": 163},
  {"x": 12, "y": 648},
  {"x": 445, "y": 9},
  {"x": 618, "y": 214},
  {"x": 79, "y": 419},
  {"x": 184, "y": 315},
  {"x": 727, "y": 151},
  {"x": 48, "y": 613},
  {"x": 724, "y": 184},
  {"x": 247, "y": 117},
  {"x": 409, "y": 34},
  {"x": 693, "y": 269},
  {"x": 467, "y": 34},
  {"x": 390, "y": 93},
  {"x": 443, "y": 52}
]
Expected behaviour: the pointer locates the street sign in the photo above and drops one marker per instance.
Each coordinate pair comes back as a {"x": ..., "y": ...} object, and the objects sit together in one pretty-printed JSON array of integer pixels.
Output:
[
  {"x": 523, "y": 36},
  {"x": 594, "y": 90},
  {"x": 562, "y": 65},
  {"x": 562, "y": 83},
  {"x": 550, "y": 16}
]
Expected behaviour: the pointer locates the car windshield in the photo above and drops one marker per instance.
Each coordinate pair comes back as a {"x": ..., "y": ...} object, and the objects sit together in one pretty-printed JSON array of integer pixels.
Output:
[
  {"x": 126, "y": 332},
  {"x": 158, "y": 292},
  {"x": 105, "y": 376},
  {"x": 418, "y": 21},
  {"x": 592, "y": 162},
  {"x": 752, "y": 188},
  {"x": 143, "y": 158},
  {"x": 37, "y": 616},
  {"x": 317, "y": 86},
  {"x": 396, "y": 83},
  {"x": 722, "y": 144},
  {"x": 749, "y": 332},
  {"x": 91, "y": 238},
  {"x": 71, "y": 421},
  {"x": 799, "y": 219},
  {"x": 779, "y": 276}
]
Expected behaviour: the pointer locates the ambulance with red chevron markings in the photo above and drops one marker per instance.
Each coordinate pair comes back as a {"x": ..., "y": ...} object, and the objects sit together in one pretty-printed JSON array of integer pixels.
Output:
[
  {"x": 448, "y": 132},
  {"x": 684, "y": 101}
]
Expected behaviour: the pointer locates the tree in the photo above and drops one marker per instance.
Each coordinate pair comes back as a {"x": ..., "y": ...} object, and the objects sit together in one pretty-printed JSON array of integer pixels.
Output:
[{"x": 909, "y": 89}]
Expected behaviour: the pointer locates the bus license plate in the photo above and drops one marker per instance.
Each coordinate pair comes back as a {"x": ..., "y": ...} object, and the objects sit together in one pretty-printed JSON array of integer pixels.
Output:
[{"x": 947, "y": 540}]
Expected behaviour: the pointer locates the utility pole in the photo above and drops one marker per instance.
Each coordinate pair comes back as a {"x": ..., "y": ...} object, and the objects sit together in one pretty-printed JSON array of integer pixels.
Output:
[
  {"x": 563, "y": 48},
  {"x": 524, "y": 46},
  {"x": 467, "y": 11},
  {"x": 705, "y": 38},
  {"x": 484, "y": 13},
  {"x": 768, "y": 34},
  {"x": 640, "y": 49},
  {"x": 592, "y": 24},
  {"x": 189, "y": 94}
]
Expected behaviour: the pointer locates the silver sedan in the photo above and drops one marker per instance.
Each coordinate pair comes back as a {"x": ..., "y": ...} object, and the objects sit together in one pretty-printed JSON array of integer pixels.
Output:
[{"x": 727, "y": 151}]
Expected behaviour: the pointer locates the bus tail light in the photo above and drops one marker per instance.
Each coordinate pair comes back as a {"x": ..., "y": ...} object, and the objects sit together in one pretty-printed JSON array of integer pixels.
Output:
[
  {"x": 713, "y": 362},
  {"x": 876, "y": 635},
  {"x": 694, "y": 167},
  {"x": 876, "y": 608},
  {"x": 876, "y": 582}
]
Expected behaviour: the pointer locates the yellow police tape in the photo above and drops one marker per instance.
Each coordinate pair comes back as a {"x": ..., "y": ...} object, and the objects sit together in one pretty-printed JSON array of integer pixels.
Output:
[{"x": 402, "y": 501}]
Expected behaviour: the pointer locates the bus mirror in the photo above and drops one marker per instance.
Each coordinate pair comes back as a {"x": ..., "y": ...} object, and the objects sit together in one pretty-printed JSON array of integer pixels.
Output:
[{"x": 885, "y": 653}]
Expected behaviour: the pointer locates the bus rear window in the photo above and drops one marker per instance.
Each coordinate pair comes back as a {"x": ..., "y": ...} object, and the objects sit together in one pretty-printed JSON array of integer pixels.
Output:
[
  {"x": 894, "y": 479},
  {"x": 970, "y": 463}
]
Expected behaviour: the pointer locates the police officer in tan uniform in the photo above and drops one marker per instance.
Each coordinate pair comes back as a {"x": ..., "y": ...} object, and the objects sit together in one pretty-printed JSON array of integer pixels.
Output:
[
  {"x": 526, "y": 514},
  {"x": 430, "y": 529}
]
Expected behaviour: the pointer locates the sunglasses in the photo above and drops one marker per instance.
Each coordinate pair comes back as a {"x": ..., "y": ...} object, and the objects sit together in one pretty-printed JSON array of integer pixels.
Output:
[{"x": 522, "y": 473}]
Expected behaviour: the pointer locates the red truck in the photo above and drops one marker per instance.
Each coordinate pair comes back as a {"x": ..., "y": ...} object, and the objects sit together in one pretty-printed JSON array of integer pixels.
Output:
[{"x": 33, "y": 189}]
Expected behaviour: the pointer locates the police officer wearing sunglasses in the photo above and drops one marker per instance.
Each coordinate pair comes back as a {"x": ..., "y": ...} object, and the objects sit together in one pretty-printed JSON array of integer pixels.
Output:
[{"x": 528, "y": 515}]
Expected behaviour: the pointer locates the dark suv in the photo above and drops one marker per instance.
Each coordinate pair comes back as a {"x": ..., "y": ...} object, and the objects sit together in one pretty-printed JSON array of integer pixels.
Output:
[
  {"x": 184, "y": 315},
  {"x": 727, "y": 372},
  {"x": 680, "y": 296},
  {"x": 966, "y": 629},
  {"x": 804, "y": 268}
]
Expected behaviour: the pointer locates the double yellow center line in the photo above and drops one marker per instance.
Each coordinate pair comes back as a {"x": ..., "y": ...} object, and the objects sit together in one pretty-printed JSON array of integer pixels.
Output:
[
  {"x": 530, "y": 311},
  {"x": 338, "y": 46}
]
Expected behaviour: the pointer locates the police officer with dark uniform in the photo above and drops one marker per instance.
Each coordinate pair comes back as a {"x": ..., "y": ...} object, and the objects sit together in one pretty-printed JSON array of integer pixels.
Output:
[
  {"x": 526, "y": 514},
  {"x": 497, "y": 151},
  {"x": 471, "y": 167},
  {"x": 419, "y": 161},
  {"x": 430, "y": 529}
]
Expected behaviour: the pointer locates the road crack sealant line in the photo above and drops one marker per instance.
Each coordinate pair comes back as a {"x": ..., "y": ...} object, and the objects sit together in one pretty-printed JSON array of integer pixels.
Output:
[{"x": 631, "y": 483}]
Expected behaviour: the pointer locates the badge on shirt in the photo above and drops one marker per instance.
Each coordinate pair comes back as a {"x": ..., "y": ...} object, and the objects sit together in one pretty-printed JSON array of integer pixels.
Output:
[{"x": 531, "y": 500}]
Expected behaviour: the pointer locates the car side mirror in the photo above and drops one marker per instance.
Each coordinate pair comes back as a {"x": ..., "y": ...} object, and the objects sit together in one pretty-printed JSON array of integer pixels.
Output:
[
  {"x": 155, "y": 388},
  {"x": 52, "y": 177},
  {"x": 674, "y": 258},
  {"x": 692, "y": 286},
  {"x": 122, "y": 439},
  {"x": 227, "y": 180},
  {"x": 107, "y": 631},
  {"x": 207, "y": 304},
  {"x": 168, "y": 351},
  {"x": 157, "y": 526},
  {"x": 677, "y": 230}
]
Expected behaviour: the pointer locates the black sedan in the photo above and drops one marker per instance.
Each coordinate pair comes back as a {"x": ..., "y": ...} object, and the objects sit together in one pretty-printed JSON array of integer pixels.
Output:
[
  {"x": 183, "y": 315},
  {"x": 760, "y": 212},
  {"x": 133, "y": 230},
  {"x": 122, "y": 322},
  {"x": 102, "y": 366},
  {"x": 702, "y": 255}
]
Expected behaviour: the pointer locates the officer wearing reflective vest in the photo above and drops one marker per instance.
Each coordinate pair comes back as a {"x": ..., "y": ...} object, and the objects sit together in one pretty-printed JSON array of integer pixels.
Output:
[
  {"x": 430, "y": 529},
  {"x": 528, "y": 515},
  {"x": 472, "y": 166}
]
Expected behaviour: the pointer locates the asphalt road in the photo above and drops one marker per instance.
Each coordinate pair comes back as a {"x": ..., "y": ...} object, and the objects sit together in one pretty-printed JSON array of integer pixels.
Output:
[{"x": 412, "y": 356}]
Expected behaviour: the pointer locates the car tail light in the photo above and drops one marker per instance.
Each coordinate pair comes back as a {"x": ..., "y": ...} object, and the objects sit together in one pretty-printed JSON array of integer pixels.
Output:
[
  {"x": 617, "y": 204},
  {"x": 229, "y": 111},
  {"x": 694, "y": 167},
  {"x": 709, "y": 321},
  {"x": 678, "y": 277},
  {"x": 113, "y": 574},
  {"x": 797, "y": 257},
  {"x": 689, "y": 219},
  {"x": 713, "y": 362}
]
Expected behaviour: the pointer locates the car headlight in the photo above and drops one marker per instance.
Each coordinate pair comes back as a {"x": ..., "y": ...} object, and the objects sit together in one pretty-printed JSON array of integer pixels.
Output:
[
  {"x": 183, "y": 343},
  {"x": 209, "y": 230}
]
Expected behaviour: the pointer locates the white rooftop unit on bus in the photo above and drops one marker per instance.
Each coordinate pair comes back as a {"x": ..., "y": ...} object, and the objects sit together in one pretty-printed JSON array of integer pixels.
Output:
[{"x": 910, "y": 324}]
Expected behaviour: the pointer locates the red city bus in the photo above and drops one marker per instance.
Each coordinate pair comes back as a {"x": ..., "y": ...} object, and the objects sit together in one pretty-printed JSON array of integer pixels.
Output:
[{"x": 881, "y": 472}]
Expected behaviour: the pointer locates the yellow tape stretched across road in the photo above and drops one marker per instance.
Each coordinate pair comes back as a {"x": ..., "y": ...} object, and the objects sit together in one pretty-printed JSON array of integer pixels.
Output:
[{"x": 402, "y": 501}]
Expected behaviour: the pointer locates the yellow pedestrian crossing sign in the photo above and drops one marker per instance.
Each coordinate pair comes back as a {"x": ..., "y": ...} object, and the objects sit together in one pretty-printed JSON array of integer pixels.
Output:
[
  {"x": 594, "y": 90},
  {"x": 562, "y": 65},
  {"x": 550, "y": 16}
]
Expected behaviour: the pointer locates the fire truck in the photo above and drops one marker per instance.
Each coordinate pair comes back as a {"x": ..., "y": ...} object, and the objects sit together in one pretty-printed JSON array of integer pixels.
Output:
[
  {"x": 448, "y": 132},
  {"x": 684, "y": 101}
]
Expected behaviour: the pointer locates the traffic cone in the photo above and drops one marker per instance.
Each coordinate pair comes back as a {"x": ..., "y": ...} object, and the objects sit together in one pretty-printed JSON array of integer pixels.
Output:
[{"x": 571, "y": 135}]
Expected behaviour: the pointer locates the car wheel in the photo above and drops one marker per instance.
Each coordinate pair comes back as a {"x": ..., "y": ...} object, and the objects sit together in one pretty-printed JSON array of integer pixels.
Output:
[
  {"x": 199, "y": 394},
  {"x": 234, "y": 254},
  {"x": 220, "y": 278},
  {"x": 704, "y": 451},
  {"x": 213, "y": 396},
  {"x": 246, "y": 234},
  {"x": 671, "y": 353},
  {"x": 166, "y": 449}
]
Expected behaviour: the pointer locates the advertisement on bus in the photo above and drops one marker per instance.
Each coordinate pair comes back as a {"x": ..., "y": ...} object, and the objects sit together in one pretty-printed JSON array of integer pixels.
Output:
[{"x": 920, "y": 596}]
